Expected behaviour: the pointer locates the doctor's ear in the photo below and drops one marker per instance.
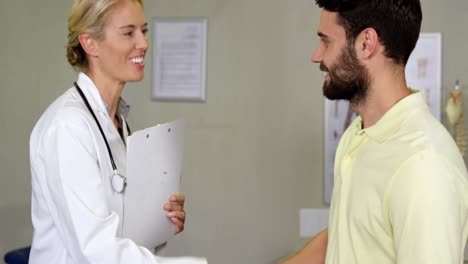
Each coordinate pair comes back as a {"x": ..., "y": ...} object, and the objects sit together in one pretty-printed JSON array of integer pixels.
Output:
[{"x": 88, "y": 43}]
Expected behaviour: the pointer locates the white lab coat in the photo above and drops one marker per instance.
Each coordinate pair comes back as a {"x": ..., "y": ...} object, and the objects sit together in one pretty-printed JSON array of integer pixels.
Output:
[{"x": 77, "y": 217}]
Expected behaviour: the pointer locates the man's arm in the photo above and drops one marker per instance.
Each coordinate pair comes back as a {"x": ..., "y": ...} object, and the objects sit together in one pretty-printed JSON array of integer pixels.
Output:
[
  {"x": 428, "y": 209},
  {"x": 313, "y": 252}
]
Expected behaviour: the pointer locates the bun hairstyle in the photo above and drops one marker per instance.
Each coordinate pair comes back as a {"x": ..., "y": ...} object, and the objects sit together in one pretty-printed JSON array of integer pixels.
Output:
[{"x": 87, "y": 16}]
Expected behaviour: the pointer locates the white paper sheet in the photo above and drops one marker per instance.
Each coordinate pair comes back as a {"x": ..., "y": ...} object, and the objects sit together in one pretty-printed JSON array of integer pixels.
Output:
[
  {"x": 179, "y": 64},
  {"x": 154, "y": 159}
]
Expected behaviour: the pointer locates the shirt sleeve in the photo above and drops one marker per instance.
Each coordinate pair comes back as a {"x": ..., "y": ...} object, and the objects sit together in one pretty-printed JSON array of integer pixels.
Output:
[
  {"x": 427, "y": 212},
  {"x": 77, "y": 200}
]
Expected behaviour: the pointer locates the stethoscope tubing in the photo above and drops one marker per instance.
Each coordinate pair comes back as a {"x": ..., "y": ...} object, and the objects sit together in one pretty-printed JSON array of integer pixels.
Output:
[
  {"x": 120, "y": 187},
  {"x": 114, "y": 167}
]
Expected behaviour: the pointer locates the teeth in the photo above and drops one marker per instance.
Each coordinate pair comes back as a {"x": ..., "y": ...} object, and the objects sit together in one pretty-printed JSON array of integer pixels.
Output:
[{"x": 137, "y": 60}]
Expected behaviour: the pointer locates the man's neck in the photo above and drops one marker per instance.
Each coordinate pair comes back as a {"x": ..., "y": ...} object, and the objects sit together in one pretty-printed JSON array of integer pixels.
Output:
[{"x": 385, "y": 91}]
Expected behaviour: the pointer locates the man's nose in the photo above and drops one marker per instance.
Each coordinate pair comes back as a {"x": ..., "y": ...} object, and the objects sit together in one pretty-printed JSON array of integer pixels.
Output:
[{"x": 316, "y": 56}]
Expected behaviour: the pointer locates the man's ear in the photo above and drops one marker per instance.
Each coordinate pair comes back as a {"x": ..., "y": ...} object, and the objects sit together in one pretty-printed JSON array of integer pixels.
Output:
[
  {"x": 367, "y": 43},
  {"x": 88, "y": 43}
]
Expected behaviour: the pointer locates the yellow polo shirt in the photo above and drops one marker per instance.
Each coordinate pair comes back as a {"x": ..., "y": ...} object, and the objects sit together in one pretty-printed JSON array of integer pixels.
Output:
[{"x": 400, "y": 193}]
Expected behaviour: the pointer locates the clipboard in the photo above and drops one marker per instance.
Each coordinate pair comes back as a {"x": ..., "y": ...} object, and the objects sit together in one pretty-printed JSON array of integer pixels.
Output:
[{"x": 154, "y": 160}]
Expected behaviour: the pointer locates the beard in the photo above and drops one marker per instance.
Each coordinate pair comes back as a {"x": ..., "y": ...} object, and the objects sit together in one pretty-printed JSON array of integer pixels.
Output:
[{"x": 349, "y": 80}]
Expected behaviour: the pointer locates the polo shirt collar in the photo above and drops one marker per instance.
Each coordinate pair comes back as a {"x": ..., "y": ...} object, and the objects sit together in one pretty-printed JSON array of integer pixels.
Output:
[{"x": 392, "y": 120}]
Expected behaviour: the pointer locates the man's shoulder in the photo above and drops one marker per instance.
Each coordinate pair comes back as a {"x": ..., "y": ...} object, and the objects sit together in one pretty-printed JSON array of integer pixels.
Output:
[
  {"x": 429, "y": 152},
  {"x": 422, "y": 132}
]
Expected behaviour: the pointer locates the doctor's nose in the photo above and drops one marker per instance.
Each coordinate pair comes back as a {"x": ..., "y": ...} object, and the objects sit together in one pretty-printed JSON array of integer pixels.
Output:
[{"x": 142, "y": 42}]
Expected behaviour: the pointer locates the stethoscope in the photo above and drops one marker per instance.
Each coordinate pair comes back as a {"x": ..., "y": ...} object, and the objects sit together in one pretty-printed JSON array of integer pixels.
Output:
[{"x": 118, "y": 181}]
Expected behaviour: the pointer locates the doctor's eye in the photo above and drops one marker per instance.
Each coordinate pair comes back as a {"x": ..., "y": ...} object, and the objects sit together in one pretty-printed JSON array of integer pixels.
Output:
[{"x": 128, "y": 33}]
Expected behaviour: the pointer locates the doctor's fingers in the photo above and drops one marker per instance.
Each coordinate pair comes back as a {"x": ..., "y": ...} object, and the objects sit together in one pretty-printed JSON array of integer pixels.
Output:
[
  {"x": 177, "y": 198},
  {"x": 173, "y": 207},
  {"x": 177, "y": 214},
  {"x": 178, "y": 225}
]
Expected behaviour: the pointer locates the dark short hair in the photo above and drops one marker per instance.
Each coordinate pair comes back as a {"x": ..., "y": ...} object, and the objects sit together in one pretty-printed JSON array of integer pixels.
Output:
[{"x": 397, "y": 22}]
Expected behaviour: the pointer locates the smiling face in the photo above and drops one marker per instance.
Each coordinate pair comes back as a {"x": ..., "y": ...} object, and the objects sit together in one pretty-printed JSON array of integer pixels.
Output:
[
  {"x": 345, "y": 77},
  {"x": 120, "y": 52}
]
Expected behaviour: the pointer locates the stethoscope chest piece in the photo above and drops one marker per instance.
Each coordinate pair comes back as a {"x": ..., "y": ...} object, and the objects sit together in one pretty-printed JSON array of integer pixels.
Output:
[{"x": 118, "y": 182}]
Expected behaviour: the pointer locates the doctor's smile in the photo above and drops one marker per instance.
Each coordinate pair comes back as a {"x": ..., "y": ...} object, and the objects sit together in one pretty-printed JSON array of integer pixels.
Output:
[{"x": 139, "y": 61}]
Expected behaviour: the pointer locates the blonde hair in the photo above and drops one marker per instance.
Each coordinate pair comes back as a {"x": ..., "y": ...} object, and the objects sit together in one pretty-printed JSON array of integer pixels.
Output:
[{"x": 86, "y": 16}]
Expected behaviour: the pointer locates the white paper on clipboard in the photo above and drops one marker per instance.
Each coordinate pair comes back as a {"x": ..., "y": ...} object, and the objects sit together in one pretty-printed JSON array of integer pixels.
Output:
[{"x": 154, "y": 160}]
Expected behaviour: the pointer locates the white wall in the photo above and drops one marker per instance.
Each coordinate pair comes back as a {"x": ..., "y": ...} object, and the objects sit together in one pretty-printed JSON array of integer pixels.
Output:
[{"x": 254, "y": 149}]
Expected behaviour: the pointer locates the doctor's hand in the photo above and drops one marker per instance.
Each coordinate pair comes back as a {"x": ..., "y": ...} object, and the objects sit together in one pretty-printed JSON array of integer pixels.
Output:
[{"x": 175, "y": 211}]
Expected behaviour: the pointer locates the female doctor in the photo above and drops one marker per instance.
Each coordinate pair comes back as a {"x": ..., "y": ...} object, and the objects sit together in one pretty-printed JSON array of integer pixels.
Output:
[{"x": 77, "y": 148}]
